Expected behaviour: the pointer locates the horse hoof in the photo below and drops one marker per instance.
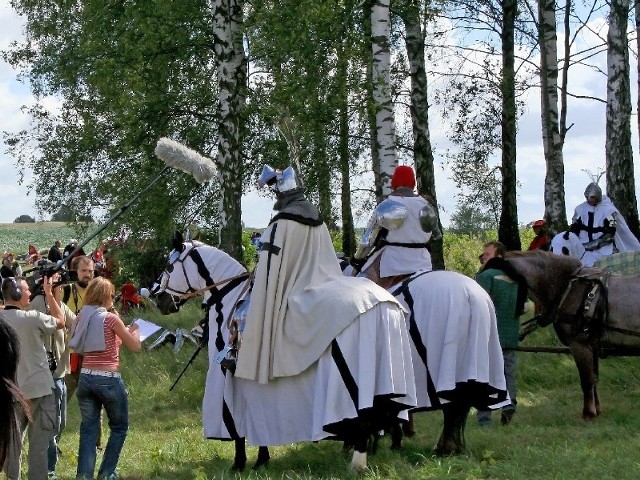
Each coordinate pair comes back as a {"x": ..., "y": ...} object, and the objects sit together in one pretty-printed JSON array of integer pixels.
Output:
[
  {"x": 260, "y": 463},
  {"x": 359, "y": 461},
  {"x": 506, "y": 417},
  {"x": 238, "y": 466},
  {"x": 589, "y": 417}
]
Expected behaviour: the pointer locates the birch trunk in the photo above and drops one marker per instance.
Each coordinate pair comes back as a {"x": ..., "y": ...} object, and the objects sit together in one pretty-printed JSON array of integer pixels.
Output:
[
  {"x": 371, "y": 107},
  {"x": 552, "y": 140},
  {"x": 619, "y": 152},
  {"x": 422, "y": 152},
  {"x": 385, "y": 125},
  {"x": 232, "y": 77}
]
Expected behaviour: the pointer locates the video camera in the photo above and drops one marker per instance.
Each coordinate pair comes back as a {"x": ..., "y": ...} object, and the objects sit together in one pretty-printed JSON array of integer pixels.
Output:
[{"x": 46, "y": 268}]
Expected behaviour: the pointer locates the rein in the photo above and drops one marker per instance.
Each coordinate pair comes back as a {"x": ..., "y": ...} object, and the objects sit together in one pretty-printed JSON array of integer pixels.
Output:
[{"x": 188, "y": 295}]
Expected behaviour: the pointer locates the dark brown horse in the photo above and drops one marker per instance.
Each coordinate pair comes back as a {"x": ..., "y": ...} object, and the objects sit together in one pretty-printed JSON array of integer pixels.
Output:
[{"x": 590, "y": 311}]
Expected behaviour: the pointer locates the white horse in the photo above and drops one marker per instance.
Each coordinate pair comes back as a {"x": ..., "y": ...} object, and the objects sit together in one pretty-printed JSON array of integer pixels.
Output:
[
  {"x": 568, "y": 243},
  {"x": 364, "y": 378},
  {"x": 456, "y": 351}
]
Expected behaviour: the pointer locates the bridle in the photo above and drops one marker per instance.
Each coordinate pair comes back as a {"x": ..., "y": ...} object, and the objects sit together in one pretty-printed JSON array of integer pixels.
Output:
[{"x": 180, "y": 297}]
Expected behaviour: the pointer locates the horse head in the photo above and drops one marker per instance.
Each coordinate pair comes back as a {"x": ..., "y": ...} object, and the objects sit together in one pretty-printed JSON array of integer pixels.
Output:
[
  {"x": 547, "y": 277},
  {"x": 174, "y": 282}
]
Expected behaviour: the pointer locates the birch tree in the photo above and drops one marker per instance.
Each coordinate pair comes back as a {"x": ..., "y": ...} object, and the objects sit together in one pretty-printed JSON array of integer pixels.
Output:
[
  {"x": 619, "y": 153},
  {"x": 231, "y": 65},
  {"x": 553, "y": 132},
  {"x": 409, "y": 11},
  {"x": 385, "y": 123}
]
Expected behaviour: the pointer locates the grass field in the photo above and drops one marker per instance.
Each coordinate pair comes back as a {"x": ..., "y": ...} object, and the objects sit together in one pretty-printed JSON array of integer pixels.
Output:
[
  {"x": 16, "y": 237},
  {"x": 547, "y": 439}
]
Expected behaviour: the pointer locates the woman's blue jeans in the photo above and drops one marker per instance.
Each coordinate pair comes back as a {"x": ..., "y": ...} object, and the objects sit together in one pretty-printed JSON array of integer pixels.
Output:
[{"x": 95, "y": 392}]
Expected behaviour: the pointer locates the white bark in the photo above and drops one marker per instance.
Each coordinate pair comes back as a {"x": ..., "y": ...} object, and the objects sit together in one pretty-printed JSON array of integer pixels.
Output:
[
  {"x": 232, "y": 75},
  {"x": 385, "y": 124},
  {"x": 552, "y": 139},
  {"x": 619, "y": 152}
]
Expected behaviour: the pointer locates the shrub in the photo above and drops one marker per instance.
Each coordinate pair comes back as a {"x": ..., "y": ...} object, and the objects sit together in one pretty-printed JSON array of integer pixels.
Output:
[{"x": 24, "y": 219}]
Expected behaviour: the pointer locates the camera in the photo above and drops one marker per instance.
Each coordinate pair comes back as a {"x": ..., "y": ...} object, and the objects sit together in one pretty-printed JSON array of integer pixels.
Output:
[{"x": 46, "y": 268}]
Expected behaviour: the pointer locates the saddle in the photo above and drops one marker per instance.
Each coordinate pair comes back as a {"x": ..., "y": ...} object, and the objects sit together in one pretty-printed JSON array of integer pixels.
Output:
[{"x": 586, "y": 299}]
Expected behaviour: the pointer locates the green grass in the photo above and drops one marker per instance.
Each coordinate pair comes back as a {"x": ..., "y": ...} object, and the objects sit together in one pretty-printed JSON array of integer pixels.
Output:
[
  {"x": 547, "y": 439},
  {"x": 16, "y": 237}
]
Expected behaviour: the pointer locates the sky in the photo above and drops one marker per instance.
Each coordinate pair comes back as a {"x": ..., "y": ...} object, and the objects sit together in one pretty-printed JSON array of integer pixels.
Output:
[{"x": 584, "y": 147}]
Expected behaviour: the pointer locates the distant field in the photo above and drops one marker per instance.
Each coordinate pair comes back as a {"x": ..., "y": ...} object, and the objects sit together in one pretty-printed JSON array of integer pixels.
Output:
[{"x": 16, "y": 237}]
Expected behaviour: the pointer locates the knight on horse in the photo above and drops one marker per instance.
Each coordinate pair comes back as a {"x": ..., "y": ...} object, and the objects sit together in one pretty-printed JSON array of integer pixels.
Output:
[
  {"x": 600, "y": 227},
  {"x": 394, "y": 245}
]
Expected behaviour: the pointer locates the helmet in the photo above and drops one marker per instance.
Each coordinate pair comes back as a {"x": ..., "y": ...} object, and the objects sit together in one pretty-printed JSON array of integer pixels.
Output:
[
  {"x": 283, "y": 181},
  {"x": 403, "y": 176},
  {"x": 538, "y": 223},
  {"x": 593, "y": 190}
]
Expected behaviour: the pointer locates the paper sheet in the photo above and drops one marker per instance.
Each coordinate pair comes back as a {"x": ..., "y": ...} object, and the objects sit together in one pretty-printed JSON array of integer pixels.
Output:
[{"x": 146, "y": 328}]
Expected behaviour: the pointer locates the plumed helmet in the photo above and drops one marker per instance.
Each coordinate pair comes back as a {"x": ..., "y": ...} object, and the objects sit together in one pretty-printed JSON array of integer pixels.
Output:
[
  {"x": 403, "y": 176},
  {"x": 282, "y": 181},
  {"x": 593, "y": 190}
]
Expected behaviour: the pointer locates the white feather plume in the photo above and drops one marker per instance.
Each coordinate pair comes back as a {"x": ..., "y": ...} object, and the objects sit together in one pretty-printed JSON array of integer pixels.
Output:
[{"x": 179, "y": 156}]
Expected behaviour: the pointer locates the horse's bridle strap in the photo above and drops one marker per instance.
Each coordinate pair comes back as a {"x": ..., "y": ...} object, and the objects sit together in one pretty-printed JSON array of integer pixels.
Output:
[{"x": 186, "y": 296}]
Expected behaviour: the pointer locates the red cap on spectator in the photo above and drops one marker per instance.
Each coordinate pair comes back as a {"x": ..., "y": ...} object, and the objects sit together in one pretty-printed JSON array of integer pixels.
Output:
[
  {"x": 539, "y": 223},
  {"x": 403, "y": 176}
]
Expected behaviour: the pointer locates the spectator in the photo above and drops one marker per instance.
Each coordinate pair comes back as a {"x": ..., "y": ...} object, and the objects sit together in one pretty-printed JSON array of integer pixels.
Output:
[
  {"x": 98, "y": 334},
  {"x": 56, "y": 346},
  {"x": 73, "y": 297},
  {"x": 70, "y": 250},
  {"x": 33, "y": 373},
  {"x": 55, "y": 255},
  {"x": 508, "y": 291},
  {"x": 33, "y": 255},
  {"x": 543, "y": 237},
  {"x": 11, "y": 398}
]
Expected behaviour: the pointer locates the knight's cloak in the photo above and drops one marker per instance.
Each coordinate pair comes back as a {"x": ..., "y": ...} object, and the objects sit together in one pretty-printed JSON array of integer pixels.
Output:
[
  {"x": 594, "y": 216},
  {"x": 300, "y": 300}
]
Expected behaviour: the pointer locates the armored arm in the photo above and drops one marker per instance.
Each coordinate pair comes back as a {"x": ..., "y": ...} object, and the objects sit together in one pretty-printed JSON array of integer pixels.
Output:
[{"x": 389, "y": 215}]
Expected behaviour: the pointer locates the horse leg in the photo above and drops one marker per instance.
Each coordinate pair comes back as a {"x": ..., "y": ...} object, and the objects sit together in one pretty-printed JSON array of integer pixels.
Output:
[
  {"x": 240, "y": 458},
  {"x": 263, "y": 457},
  {"x": 408, "y": 428},
  {"x": 359, "y": 458},
  {"x": 584, "y": 358},
  {"x": 451, "y": 440},
  {"x": 596, "y": 370},
  {"x": 396, "y": 435}
]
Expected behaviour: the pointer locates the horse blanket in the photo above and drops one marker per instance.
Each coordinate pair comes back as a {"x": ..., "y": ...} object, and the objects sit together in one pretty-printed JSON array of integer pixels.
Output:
[{"x": 454, "y": 336}]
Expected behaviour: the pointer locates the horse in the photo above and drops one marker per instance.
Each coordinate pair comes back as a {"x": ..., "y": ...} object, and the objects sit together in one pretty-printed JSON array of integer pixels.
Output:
[
  {"x": 455, "y": 351},
  {"x": 568, "y": 243},
  {"x": 457, "y": 358},
  {"x": 364, "y": 377},
  {"x": 590, "y": 310}
]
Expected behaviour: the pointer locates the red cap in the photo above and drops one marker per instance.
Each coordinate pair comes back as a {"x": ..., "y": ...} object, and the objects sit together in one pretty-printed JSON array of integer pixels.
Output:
[
  {"x": 403, "y": 176},
  {"x": 539, "y": 223}
]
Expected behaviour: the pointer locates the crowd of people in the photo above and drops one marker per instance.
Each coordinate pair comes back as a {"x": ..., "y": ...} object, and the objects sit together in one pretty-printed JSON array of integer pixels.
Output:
[
  {"x": 61, "y": 339},
  {"x": 65, "y": 339}
]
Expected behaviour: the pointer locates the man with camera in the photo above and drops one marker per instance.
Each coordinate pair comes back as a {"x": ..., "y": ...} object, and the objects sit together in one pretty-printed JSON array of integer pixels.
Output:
[
  {"x": 82, "y": 270},
  {"x": 58, "y": 352},
  {"x": 33, "y": 373}
]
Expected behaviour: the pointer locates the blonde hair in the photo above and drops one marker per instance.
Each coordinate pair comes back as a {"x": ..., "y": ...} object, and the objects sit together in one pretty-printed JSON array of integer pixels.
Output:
[{"x": 98, "y": 291}]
